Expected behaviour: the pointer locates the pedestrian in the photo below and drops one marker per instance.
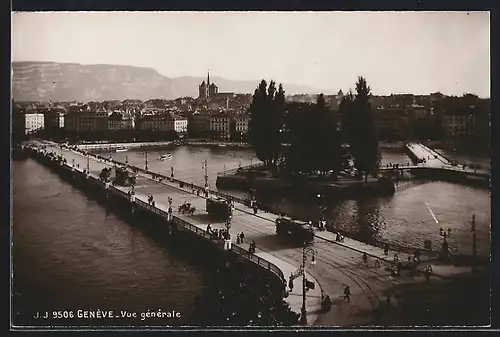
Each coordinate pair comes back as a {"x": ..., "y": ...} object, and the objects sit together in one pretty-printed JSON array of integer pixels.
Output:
[
  {"x": 197, "y": 192},
  {"x": 242, "y": 237},
  {"x": 347, "y": 293},
  {"x": 290, "y": 283},
  {"x": 254, "y": 209},
  {"x": 365, "y": 258},
  {"x": 238, "y": 239}
]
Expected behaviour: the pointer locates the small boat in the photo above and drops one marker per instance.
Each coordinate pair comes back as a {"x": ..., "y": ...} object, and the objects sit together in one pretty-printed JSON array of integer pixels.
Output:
[
  {"x": 121, "y": 149},
  {"x": 165, "y": 156}
]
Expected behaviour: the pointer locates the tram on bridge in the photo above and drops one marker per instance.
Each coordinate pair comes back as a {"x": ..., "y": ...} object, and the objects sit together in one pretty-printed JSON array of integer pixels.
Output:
[
  {"x": 300, "y": 231},
  {"x": 219, "y": 208}
]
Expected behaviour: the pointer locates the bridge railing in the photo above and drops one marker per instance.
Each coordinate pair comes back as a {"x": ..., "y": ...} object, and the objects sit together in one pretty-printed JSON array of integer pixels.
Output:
[{"x": 220, "y": 243}]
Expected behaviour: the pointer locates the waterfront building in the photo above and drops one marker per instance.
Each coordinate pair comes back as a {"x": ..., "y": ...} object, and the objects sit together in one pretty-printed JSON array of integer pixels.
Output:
[
  {"x": 392, "y": 123},
  {"x": 220, "y": 127},
  {"x": 180, "y": 124},
  {"x": 54, "y": 119},
  {"x": 156, "y": 123},
  {"x": 242, "y": 124},
  {"x": 80, "y": 120},
  {"x": 457, "y": 126},
  {"x": 33, "y": 122}
]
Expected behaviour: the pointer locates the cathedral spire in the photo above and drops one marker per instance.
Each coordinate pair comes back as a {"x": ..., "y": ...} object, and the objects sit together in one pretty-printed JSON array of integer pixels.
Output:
[{"x": 208, "y": 78}]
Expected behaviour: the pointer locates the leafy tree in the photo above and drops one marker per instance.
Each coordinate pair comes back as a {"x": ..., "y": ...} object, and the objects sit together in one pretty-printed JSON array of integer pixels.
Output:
[
  {"x": 363, "y": 137},
  {"x": 266, "y": 119},
  {"x": 298, "y": 122}
]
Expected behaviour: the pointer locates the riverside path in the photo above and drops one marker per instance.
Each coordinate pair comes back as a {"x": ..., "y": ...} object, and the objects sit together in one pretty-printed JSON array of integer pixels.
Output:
[{"x": 337, "y": 264}]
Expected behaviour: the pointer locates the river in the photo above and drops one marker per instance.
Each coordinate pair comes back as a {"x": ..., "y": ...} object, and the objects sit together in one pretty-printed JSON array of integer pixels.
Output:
[
  {"x": 412, "y": 215},
  {"x": 62, "y": 241}
]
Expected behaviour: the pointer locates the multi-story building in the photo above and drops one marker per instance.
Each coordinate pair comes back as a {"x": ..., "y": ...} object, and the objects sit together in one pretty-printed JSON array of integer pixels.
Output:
[
  {"x": 115, "y": 121},
  {"x": 242, "y": 124},
  {"x": 180, "y": 124},
  {"x": 162, "y": 123},
  {"x": 392, "y": 123},
  {"x": 199, "y": 124},
  {"x": 220, "y": 126},
  {"x": 86, "y": 120},
  {"x": 54, "y": 119},
  {"x": 33, "y": 122},
  {"x": 456, "y": 126}
]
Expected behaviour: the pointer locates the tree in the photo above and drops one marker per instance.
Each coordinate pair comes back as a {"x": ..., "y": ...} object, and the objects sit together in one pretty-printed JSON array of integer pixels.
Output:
[
  {"x": 328, "y": 145},
  {"x": 266, "y": 119},
  {"x": 363, "y": 137}
]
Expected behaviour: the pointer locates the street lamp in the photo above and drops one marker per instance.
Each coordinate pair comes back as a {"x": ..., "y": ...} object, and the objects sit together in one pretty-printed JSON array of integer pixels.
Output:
[
  {"x": 146, "y": 160},
  {"x": 172, "y": 172},
  {"x": 169, "y": 208},
  {"x": 322, "y": 209},
  {"x": 126, "y": 160},
  {"x": 445, "y": 233},
  {"x": 305, "y": 283},
  {"x": 205, "y": 166},
  {"x": 474, "y": 249}
]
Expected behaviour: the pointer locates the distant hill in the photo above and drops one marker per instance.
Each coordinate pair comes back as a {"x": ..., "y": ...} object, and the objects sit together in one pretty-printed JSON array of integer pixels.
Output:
[{"x": 44, "y": 81}]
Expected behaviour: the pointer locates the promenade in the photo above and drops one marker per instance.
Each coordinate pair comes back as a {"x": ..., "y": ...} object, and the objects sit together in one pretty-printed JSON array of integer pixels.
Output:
[{"x": 337, "y": 263}]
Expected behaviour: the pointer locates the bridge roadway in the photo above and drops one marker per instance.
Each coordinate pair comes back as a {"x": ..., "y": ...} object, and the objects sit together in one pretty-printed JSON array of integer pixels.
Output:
[
  {"x": 433, "y": 159},
  {"x": 337, "y": 264}
]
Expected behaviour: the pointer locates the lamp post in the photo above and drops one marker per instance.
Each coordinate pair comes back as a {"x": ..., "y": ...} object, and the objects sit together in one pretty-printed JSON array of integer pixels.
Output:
[
  {"x": 126, "y": 160},
  {"x": 88, "y": 164},
  {"x": 73, "y": 162},
  {"x": 169, "y": 208},
  {"x": 445, "y": 233},
  {"x": 322, "y": 210},
  {"x": 303, "y": 316},
  {"x": 474, "y": 247},
  {"x": 146, "y": 160},
  {"x": 172, "y": 172},
  {"x": 204, "y": 166}
]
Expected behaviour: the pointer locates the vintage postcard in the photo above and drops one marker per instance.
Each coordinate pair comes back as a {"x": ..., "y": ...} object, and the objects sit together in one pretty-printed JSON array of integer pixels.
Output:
[{"x": 247, "y": 169}]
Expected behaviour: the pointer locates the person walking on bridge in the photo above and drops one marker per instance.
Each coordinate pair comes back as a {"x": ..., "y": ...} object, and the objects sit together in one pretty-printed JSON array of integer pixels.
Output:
[
  {"x": 365, "y": 258},
  {"x": 347, "y": 294}
]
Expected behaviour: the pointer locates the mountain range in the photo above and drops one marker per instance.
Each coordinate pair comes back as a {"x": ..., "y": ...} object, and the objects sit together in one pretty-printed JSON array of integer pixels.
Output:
[{"x": 51, "y": 81}]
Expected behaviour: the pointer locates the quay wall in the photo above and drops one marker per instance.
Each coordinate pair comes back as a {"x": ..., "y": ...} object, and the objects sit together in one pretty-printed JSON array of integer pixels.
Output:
[
  {"x": 171, "y": 223},
  {"x": 382, "y": 187}
]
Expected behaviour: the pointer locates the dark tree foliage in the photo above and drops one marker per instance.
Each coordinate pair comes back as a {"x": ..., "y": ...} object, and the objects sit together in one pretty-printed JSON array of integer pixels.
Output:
[
  {"x": 361, "y": 129},
  {"x": 314, "y": 140},
  {"x": 266, "y": 121},
  {"x": 298, "y": 122},
  {"x": 238, "y": 296}
]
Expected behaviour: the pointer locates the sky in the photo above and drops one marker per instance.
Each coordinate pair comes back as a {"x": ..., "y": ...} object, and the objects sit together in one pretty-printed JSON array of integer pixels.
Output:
[{"x": 397, "y": 52}]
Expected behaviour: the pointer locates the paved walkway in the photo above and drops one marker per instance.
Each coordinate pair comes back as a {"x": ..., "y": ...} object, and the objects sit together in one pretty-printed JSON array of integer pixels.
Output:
[
  {"x": 338, "y": 263},
  {"x": 434, "y": 159}
]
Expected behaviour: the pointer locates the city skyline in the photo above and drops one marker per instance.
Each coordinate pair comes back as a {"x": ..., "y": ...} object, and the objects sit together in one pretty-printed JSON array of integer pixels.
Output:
[{"x": 403, "y": 52}]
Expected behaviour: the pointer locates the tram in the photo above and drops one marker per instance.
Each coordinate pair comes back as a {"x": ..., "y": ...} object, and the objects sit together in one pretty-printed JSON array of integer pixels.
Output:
[
  {"x": 301, "y": 231},
  {"x": 219, "y": 208}
]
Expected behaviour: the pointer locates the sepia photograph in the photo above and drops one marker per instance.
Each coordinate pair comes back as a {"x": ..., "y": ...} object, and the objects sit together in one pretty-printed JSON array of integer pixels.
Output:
[{"x": 229, "y": 170}]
